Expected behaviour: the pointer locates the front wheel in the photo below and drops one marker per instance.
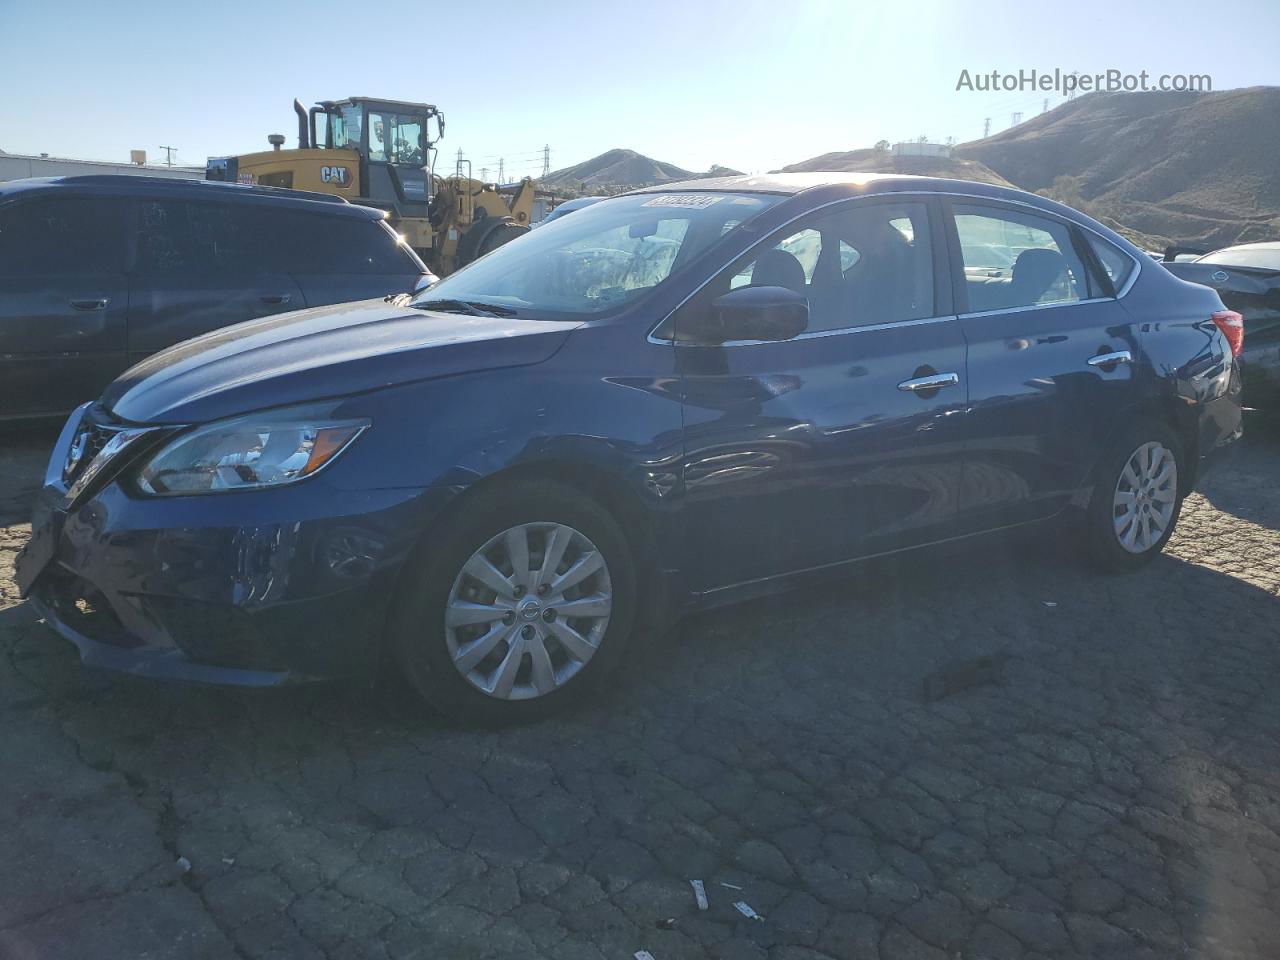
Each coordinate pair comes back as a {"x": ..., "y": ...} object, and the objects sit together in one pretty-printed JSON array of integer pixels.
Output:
[
  {"x": 1136, "y": 499},
  {"x": 524, "y": 604}
]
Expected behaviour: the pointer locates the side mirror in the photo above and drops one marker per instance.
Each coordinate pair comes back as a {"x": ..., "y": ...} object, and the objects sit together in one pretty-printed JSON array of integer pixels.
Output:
[{"x": 755, "y": 313}]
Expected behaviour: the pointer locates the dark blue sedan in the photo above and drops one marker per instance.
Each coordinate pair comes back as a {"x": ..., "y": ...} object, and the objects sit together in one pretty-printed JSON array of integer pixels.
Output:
[{"x": 673, "y": 399}]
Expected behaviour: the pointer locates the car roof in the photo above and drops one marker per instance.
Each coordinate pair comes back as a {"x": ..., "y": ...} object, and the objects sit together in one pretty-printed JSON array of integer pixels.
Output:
[
  {"x": 188, "y": 189},
  {"x": 839, "y": 181},
  {"x": 832, "y": 185}
]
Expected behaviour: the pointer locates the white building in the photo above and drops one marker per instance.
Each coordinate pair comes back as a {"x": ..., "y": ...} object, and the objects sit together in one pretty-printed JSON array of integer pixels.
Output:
[
  {"x": 15, "y": 166},
  {"x": 916, "y": 148}
]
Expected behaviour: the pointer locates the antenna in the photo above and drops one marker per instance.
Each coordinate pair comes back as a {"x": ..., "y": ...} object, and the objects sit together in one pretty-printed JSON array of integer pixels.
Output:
[
  {"x": 986, "y": 128},
  {"x": 168, "y": 154}
]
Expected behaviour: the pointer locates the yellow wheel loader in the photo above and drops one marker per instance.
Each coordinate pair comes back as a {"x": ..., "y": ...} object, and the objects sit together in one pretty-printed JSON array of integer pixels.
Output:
[{"x": 380, "y": 153}]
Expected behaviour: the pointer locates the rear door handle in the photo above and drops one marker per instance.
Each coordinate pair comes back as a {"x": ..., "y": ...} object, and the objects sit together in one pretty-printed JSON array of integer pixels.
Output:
[
  {"x": 1108, "y": 359},
  {"x": 90, "y": 303},
  {"x": 274, "y": 298},
  {"x": 934, "y": 381}
]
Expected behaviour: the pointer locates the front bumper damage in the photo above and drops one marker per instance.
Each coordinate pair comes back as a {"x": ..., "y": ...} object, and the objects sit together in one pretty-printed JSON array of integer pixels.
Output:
[{"x": 253, "y": 589}]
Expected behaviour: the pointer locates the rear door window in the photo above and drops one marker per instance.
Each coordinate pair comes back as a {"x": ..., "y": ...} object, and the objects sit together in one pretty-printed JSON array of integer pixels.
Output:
[
  {"x": 1014, "y": 259},
  {"x": 61, "y": 236},
  {"x": 181, "y": 236}
]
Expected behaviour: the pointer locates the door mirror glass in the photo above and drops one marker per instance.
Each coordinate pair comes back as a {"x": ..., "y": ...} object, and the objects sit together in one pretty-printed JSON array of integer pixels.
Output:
[{"x": 755, "y": 313}]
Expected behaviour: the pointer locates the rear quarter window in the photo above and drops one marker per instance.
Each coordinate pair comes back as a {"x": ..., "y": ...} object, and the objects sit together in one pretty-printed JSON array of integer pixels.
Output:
[
  {"x": 1116, "y": 264},
  {"x": 315, "y": 243}
]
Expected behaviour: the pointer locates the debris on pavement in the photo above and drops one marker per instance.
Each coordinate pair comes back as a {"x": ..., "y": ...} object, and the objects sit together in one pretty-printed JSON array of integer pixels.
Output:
[
  {"x": 744, "y": 908},
  {"x": 730, "y": 886},
  {"x": 668, "y": 924},
  {"x": 183, "y": 865},
  {"x": 699, "y": 893},
  {"x": 644, "y": 955},
  {"x": 1050, "y": 603}
]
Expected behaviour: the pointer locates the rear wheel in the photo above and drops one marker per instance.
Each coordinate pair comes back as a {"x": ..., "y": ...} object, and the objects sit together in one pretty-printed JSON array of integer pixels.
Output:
[
  {"x": 523, "y": 606},
  {"x": 1136, "y": 498}
]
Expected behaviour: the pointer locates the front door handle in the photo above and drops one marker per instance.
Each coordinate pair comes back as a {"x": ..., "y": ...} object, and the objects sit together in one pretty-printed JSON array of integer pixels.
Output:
[
  {"x": 934, "y": 381},
  {"x": 272, "y": 299},
  {"x": 90, "y": 303},
  {"x": 1110, "y": 359}
]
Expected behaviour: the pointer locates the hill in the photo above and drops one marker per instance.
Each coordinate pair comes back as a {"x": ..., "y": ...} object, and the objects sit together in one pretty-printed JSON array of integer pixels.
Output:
[
  {"x": 623, "y": 169},
  {"x": 881, "y": 161},
  {"x": 1194, "y": 168}
]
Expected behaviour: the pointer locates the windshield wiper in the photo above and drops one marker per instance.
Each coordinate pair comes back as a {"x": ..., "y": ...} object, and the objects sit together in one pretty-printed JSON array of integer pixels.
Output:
[{"x": 466, "y": 306}]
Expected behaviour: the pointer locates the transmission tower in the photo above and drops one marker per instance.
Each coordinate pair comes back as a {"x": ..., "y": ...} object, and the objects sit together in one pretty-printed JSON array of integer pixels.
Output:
[
  {"x": 986, "y": 128},
  {"x": 484, "y": 174},
  {"x": 501, "y": 175},
  {"x": 1015, "y": 118},
  {"x": 1045, "y": 108},
  {"x": 546, "y": 159}
]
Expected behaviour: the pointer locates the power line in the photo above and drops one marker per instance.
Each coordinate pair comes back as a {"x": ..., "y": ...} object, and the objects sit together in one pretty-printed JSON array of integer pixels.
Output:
[{"x": 169, "y": 152}]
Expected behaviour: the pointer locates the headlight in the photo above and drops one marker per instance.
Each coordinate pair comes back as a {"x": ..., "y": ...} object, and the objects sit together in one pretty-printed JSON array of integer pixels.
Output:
[{"x": 247, "y": 453}]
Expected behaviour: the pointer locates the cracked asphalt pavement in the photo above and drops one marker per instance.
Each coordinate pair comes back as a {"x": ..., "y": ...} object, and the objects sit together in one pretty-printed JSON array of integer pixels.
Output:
[{"x": 989, "y": 753}]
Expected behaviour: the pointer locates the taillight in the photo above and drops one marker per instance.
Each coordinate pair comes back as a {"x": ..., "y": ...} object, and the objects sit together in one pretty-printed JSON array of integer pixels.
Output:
[{"x": 1232, "y": 326}]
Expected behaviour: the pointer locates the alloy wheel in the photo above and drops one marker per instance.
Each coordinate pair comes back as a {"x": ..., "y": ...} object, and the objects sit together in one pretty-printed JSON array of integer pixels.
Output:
[
  {"x": 1146, "y": 496},
  {"x": 528, "y": 610}
]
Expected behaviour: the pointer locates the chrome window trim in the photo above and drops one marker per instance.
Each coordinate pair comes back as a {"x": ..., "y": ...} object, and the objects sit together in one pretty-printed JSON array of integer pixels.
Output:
[
  {"x": 1035, "y": 306},
  {"x": 817, "y": 334},
  {"x": 890, "y": 194}
]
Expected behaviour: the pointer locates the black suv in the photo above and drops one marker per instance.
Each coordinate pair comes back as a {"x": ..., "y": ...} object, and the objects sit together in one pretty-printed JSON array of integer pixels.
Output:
[{"x": 97, "y": 272}]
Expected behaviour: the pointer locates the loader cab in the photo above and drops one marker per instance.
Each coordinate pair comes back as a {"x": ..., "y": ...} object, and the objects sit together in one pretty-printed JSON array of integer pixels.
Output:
[{"x": 395, "y": 144}]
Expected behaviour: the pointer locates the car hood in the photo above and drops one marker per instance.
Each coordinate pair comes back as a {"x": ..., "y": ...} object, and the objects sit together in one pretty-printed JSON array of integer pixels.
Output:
[{"x": 319, "y": 353}]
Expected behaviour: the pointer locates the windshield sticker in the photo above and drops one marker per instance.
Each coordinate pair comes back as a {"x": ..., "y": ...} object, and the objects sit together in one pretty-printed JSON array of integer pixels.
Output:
[{"x": 691, "y": 200}]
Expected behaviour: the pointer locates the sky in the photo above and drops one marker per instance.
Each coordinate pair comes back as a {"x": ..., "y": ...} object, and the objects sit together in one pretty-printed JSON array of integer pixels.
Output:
[{"x": 746, "y": 84}]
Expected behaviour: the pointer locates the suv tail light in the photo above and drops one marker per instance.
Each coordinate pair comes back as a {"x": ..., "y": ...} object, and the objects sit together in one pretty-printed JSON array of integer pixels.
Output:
[{"x": 1232, "y": 326}]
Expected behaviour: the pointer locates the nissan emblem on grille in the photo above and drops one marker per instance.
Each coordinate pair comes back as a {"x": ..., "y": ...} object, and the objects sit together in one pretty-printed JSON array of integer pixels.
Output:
[{"x": 75, "y": 454}]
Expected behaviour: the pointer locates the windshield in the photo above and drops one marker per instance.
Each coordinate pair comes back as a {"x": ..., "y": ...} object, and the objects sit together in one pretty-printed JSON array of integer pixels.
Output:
[{"x": 601, "y": 258}]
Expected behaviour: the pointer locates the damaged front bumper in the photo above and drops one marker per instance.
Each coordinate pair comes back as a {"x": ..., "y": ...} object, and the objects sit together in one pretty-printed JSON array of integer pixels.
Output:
[{"x": 253, "y": 589}]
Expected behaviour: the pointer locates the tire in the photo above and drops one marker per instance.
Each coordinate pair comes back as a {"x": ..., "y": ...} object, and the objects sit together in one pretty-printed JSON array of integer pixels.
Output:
[
  {"x": 503, "y": 233},
  {"x": 1120, "y": 539},
  {"x": 535, "y": 660}
]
